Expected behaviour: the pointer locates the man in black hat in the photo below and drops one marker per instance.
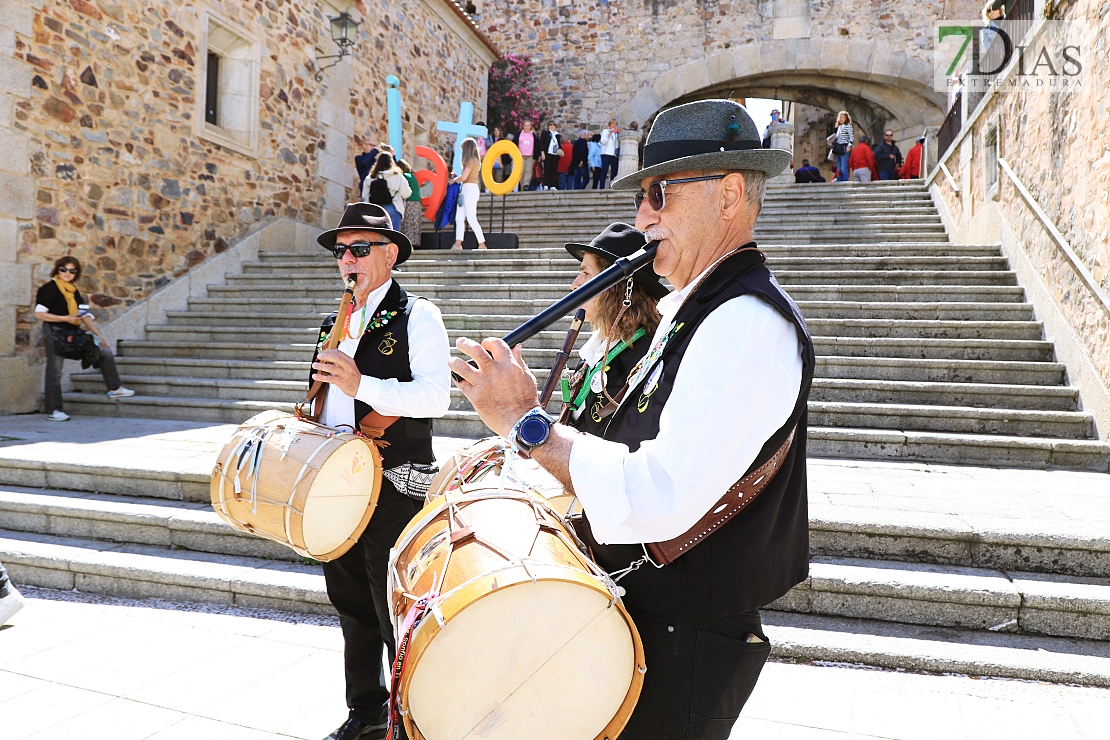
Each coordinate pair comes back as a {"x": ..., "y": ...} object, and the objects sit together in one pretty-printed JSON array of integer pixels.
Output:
[
  {"x": 696, "y": 490},
  {"x": 391, "y": 362}
]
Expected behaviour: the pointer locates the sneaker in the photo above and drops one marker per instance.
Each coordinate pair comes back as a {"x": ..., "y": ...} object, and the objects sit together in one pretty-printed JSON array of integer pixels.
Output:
[
  {"x": 58, "y": 415},
  {"x": 121, "y": 392},
  {"x": 10, "y": 604}
]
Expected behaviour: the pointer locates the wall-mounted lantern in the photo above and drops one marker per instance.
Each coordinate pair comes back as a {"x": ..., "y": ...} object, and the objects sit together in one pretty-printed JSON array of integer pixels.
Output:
[{"x": 343, "y": 30}]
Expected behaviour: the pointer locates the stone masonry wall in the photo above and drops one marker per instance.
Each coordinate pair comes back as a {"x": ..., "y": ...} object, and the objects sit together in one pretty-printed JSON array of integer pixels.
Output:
[
  {"x": 593, "y": 58},
  {"x": 1059, "y": 146},
  {"x": 99, "y": 98}
]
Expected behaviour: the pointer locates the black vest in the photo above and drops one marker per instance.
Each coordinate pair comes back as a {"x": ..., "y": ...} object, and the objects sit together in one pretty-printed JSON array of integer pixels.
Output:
[
  {"x": 616, "y": 375},
  {"x": 763, "y": 552},
  {"x": 383, "y": 352}
]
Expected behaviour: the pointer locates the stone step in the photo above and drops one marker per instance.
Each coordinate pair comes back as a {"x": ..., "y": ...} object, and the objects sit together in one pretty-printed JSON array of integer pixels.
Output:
[
  {"x": 974, "y": 395},
  {"x": 945, "y": 596},
  {"x": 532, "y": 269},
  {"x": 1072, "y": 425},
  {"x": 950, "y": 596},
  {"x": 940, "y": 371},
  {"x": 945, "y": 650},
  {"x": 958, "y": 449},
  {"x": 131, "y": 520},
  {"x": 311, "y": 315},
  {"x": 308, "y": 331},
  {"x": 148, "y": 571},
  {"x": 924, "y": 349}
]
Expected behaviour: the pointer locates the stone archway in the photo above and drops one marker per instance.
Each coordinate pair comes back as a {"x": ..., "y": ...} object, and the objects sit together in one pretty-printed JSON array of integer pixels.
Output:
[{"x": 834, "y": 71}]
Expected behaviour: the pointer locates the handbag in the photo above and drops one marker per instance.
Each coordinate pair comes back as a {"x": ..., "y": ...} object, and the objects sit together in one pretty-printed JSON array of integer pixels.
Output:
[
  {"x": 379, "y": 192},
  {"x": 839, "y": 148},
  {"x": 73, "y": 343}
]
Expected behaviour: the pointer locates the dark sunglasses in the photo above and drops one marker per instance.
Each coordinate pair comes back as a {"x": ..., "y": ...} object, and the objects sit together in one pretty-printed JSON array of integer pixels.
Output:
[
  {"x": 358, "y": 249},
  {"x": 70, "y": 270},
  {"x": 656, "y": 195}
]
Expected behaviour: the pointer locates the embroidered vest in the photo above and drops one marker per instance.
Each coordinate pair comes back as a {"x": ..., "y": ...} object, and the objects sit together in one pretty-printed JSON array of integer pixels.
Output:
[
  {"x": 761, "y": 554},
  {"x": 383, "y": 352},
  {"x": 616, "y": 374}
]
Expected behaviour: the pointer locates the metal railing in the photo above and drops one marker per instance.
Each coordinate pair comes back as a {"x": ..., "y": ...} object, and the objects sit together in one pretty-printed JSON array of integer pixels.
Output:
[{"x": 950, "y": 129}]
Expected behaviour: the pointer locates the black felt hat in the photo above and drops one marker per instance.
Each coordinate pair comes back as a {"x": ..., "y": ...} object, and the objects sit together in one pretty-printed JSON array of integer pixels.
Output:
[
  {"x": 620, "y": 240},
  {"x": 704, "y": 135},
  {"x": 368, "y": 217}
]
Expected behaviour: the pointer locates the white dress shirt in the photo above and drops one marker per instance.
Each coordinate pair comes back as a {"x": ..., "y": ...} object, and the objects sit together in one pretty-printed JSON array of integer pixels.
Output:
[
  {"x": 737, "y": 384},
  {"x": 426, "y": 396},
  {"x": 608, "y": 142}
]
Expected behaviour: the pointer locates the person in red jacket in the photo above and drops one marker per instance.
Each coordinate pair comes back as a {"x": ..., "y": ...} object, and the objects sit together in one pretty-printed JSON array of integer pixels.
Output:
[
  {"x": 566, "y": 179},
  {"x": 861, "y": 162},
  {"x": 912, "y": 168}
]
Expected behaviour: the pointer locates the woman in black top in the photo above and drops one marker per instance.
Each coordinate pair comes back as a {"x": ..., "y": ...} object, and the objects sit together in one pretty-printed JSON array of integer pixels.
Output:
[
  {"x": 621, "y": 337},
  {"x": 59, "y": 305}
]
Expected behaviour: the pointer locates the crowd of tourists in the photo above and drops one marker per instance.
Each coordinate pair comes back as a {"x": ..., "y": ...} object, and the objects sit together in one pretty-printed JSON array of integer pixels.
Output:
[
  {"x": 560, "y": 161},
  {"x": 858, "y": 161}
]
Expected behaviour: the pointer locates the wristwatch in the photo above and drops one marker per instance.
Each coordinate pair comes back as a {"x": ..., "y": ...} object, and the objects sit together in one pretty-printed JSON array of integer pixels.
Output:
[{"x": 533, "y": 429}]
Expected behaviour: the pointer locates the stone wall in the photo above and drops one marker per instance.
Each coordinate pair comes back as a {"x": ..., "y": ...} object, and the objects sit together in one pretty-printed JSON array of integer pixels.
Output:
[
  {"x": 101, "y": 103},
  {"x": 1057, "y": 144},
  {"x": 631, "y": 58}
]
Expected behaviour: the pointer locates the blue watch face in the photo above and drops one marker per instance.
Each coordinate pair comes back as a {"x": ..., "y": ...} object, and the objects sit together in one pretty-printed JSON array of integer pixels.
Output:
[{"x": 534, "y": 431}]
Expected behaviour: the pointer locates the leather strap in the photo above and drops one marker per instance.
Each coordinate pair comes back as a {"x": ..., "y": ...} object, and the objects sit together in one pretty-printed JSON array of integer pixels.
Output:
[
  {"x": 735, "y": 500},
  {"x": 373, "y": 425}
]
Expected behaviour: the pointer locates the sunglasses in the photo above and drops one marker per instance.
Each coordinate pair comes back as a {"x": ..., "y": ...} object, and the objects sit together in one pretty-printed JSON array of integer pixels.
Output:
[
  {"x": 358, "y": 249},
  {"x": 70, "y": 270},
  {"x": 656, "y": 195}
]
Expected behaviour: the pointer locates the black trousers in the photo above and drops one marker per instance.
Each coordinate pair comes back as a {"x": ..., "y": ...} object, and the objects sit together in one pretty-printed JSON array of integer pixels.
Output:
[
  {"x": 356, "y": 584},
  {"x": 550, "y": 170},
  {"x": 700, "y": 674},
  {"x": 52, "y": 388}
]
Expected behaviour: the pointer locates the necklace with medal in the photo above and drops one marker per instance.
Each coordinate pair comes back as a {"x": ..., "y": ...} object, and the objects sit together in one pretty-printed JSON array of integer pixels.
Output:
[{"x": 593, "y": 382}]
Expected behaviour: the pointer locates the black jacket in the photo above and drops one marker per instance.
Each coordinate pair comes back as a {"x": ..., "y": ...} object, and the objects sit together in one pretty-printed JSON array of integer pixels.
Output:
[
  {"x": 50, "y": 295},
  {"x": 581, "y": 153},
  {"x": 882, "y": 154},
  {"x": 544, "y": 142},
  {"x": 590, "y": 420}
]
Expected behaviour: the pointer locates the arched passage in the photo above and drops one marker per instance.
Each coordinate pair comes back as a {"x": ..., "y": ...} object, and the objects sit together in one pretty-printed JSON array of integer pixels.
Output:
[{"x": 881, "y": 83}]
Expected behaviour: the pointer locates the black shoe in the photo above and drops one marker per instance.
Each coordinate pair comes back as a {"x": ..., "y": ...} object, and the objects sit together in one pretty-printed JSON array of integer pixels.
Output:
[{"x": 354, "y": 729}]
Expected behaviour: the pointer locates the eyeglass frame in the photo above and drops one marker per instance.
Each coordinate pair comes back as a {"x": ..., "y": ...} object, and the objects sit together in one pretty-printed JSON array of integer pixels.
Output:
[
  {"x": 642, "y": 195},
  {"x": 339, "y": 249}
]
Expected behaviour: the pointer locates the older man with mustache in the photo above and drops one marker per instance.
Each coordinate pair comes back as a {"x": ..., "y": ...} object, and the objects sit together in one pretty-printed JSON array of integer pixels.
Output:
[
  {"x": 695, "y": 494},
  {"x": 390, "y": 370}
]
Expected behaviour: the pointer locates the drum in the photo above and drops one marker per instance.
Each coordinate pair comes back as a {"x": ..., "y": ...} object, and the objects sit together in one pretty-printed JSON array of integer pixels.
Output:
[
  {"x": 300, "y": 484},
  {"x": 505, "y": 629},
  {"x": 483, "y": 462}
]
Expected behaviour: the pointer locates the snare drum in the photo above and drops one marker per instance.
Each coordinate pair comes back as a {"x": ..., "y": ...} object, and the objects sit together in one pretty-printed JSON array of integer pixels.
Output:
[
  {"x": 505, "y": 630},
  {"x": 483, "y": 463},
  {"x": 300, "y": 484}
]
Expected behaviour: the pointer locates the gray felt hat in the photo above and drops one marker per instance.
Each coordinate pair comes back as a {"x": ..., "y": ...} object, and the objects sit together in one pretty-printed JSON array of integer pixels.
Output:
[{"x": 705, "y": 135}]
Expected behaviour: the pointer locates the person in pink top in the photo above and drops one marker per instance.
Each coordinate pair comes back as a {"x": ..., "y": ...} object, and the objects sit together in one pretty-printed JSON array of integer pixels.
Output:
[{"x": 526, "y": 140}]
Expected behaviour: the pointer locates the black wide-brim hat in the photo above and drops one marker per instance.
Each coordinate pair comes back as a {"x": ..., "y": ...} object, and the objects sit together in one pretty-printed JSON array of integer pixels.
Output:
[
  {"x": 620, "y": 240},
  {"x": 368, "y": 217},
  {"x": 705, "y": 135}
]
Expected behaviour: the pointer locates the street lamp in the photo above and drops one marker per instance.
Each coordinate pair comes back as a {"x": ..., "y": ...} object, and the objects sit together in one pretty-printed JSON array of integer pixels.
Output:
[{"x": 343, "y": 30}]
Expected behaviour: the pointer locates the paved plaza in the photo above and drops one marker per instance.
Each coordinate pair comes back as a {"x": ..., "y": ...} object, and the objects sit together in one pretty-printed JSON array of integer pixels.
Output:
[{"x": 85, "y": 666}]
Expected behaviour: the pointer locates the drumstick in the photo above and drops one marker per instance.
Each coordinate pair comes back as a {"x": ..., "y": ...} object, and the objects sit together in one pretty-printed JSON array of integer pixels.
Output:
[{"x": 562, "y": 357}]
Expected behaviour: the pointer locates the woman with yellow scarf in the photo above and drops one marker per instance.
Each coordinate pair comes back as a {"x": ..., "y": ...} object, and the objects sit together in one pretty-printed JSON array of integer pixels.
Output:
[{"x": 59, "y": 305}]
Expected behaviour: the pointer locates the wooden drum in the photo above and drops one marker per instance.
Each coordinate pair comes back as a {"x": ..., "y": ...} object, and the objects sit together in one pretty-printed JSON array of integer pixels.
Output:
[
  {"x": 506, "y": 630},
  {"x": 482, "y": 465},
  {"x": 300, "y": 484}
]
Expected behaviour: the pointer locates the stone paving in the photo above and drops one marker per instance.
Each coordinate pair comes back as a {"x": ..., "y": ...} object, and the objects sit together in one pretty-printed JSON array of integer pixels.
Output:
[{"x": 80, "y": 665}]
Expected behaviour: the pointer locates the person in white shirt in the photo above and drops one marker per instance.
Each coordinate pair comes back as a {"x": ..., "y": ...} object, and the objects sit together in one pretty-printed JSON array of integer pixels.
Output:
[
  {"x": 388, "y": 378},
  {"x": 695, "y": 494},
  {"x": 609, "y": 143}
]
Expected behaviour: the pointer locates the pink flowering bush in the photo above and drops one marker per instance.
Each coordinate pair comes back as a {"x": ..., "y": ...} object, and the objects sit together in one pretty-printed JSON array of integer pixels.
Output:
[{"x": 511, "y": 98}]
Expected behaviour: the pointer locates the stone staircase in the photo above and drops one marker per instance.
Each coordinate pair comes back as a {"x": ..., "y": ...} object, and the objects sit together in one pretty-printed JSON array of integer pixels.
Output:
[
  {"x": 930, "y": 362},
  {"x": 925, "y": 350}
]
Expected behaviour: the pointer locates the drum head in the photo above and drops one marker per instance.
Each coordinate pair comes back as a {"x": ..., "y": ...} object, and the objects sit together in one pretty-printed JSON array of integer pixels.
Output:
[
  {"x": 340, "y": 493},
  {"x": 550, "y": 660}
]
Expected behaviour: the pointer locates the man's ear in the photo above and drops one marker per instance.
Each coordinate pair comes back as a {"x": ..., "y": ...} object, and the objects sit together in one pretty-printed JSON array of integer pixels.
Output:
[
  {"x": 733, "y": 190},
  {"x": 391, "y": 253}
]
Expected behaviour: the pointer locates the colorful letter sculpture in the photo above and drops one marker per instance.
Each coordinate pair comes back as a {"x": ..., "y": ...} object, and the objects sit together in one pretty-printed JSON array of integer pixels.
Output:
[
  {"x": 437, "y": 176},
  {"x": 462, "y": 129},
  {"x": 502, "y": 147},
  {"x": 393, "y": 104}
]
